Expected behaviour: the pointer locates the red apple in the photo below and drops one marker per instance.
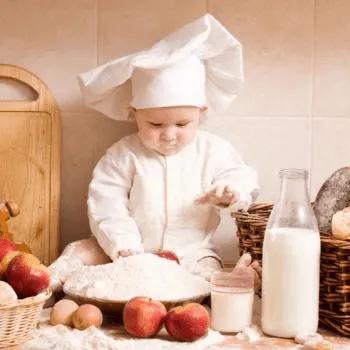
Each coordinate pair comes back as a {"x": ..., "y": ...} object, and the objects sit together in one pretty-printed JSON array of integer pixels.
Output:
[
  {"x": 6, "y": 246},
  {"x": 6, "y": 261},
  {"x": 167, "y": 254},
  {"x": 188, "y": 322},
  {"x": 27, "y": 275},
  {"x": 143, "y": 317}
]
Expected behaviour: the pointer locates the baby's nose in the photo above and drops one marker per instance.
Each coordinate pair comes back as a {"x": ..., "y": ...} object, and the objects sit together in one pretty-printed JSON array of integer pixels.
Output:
[{"x": 168, "y": 134}]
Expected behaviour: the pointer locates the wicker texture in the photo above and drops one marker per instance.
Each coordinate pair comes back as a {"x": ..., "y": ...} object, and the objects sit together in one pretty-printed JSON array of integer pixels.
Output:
[
  {"x": 18, "y": 319},
  {"x": 251, "y": 229},
  {"x": 335, "y": 284},
  {"x": 335, "y": 265}
]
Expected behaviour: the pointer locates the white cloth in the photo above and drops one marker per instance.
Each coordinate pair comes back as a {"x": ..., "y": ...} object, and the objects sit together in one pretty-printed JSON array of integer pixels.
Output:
[
  {"x": 199, "y": 64},
  {"x": 139, "y": 199}
]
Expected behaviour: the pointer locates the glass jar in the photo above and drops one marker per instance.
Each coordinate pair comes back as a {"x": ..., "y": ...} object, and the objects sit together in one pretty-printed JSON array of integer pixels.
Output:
[
  {"x": 231, "y": 301},
  {"x": 291, "y": 261}
]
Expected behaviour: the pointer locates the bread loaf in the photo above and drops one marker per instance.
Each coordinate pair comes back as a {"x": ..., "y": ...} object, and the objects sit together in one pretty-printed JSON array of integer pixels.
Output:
[
  {"x": 333, "y": 196},
  {"x": 7, "y": 294},
  {"x": 341, "y": 224}
]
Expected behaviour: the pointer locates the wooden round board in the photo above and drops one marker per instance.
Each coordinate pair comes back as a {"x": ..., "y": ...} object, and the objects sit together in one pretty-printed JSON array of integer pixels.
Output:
[{"x": 115, "y": 307}]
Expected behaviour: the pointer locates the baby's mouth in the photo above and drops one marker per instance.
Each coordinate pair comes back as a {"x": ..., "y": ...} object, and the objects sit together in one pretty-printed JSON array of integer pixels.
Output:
[{"x": 168, "y": 145}]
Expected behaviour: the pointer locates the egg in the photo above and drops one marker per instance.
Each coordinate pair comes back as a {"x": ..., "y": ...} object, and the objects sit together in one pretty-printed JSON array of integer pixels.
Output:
[
  {"x": 62, "y": 312},
  {"x": 7, "y": 294},
  {"x": 87, "y": 315}
]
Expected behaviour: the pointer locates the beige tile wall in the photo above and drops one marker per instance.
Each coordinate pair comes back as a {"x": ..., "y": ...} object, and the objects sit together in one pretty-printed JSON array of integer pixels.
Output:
[{"x": 293, "y": 110}]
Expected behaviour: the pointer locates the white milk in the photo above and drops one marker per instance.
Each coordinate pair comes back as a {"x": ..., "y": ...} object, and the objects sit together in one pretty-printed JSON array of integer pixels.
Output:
[
  {"x": 290, "y": 288},
  {"x": 231, "y": 311}
]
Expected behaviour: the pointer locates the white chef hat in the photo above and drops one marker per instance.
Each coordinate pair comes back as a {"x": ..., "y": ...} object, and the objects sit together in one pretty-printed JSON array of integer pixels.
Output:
[{"x": 199, "y": 65}]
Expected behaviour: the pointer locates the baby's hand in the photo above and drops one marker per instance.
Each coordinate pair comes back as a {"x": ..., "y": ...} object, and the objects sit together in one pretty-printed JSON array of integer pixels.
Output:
[
  {"x": 125, "y": 253},
  {"x": 245, "y": 261},
  {"x": 220, "y": 196},
  {"x": 206, "y": 267}
]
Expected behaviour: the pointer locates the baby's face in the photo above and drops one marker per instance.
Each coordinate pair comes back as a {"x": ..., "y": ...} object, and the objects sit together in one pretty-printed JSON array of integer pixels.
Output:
[{"x": 167, "y": 130}]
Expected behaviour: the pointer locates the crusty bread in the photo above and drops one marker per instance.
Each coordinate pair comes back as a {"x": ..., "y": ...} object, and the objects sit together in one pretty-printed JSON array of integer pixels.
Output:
[
  {"x": 333, "y": 196},
  {"x": 341, "y": 224}
]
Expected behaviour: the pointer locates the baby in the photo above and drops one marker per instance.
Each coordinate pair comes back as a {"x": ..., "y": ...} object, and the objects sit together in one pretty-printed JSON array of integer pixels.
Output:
[{"x": 164, "y": 187}]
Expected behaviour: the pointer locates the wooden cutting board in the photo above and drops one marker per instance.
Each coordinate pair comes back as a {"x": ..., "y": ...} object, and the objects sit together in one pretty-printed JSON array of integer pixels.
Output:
[{"x": 30, "y": 150}]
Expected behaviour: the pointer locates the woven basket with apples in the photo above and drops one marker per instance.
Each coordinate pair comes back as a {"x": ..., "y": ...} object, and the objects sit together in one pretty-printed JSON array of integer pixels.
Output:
[{"x": 24, "y": 288}]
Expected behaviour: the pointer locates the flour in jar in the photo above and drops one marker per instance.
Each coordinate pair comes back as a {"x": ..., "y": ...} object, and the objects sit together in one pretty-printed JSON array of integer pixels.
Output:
[{"x": 138, "y": 275}]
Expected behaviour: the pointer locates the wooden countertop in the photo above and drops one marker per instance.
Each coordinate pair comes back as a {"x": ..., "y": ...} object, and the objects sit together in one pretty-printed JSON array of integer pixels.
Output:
[
  {"x": 115, "y": 329},
  {"x": 264, "y": 343},
  {"x": 231, "y": 342}
]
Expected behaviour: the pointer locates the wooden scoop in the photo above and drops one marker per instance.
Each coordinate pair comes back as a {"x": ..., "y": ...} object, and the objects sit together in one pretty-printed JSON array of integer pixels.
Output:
[{"x": 7, "y": 210}]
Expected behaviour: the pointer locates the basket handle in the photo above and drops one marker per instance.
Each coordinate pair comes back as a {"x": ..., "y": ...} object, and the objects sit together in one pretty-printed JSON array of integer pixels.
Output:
[{"x": 260, "y": 205}]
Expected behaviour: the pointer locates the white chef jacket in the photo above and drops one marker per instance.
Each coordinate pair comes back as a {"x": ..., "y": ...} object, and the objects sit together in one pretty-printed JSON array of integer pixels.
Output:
[{"x": 139, "y": 199}]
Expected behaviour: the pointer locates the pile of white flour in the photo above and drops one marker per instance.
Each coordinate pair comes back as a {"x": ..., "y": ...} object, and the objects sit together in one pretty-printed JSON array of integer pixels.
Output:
[
  {"x": 138, "y": 275},
  {"x": 63, "y": 338}
]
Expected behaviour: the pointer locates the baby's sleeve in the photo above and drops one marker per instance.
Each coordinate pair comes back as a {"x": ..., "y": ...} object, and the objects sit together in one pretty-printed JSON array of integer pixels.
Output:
[
  {"x": 108, "y": 203},
  {"x": 232, "y": 171}
]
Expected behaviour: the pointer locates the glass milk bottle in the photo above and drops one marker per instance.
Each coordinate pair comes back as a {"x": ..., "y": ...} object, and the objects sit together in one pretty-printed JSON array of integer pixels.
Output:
[{"x": 291, "y": 261}]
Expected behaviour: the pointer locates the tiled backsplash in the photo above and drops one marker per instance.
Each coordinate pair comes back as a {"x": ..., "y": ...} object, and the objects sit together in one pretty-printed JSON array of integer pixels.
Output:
[{"x": 293, "y": 110}]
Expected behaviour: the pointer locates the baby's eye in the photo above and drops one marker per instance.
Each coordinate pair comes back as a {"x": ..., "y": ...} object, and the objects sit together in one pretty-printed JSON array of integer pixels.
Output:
[
  {"x": 181, "y": 124},
  {"x": 156, "y": 124}
]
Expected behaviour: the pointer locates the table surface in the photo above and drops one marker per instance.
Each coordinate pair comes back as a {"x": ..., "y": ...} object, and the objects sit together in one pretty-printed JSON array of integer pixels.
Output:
[
  {"x": 264, "y": 343},
  {"x": 114, "y": 328},
  {"x": 117, "y": 331}
]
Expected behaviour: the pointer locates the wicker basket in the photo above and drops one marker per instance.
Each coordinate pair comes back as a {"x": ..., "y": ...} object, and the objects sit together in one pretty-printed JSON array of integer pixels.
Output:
[
  {"x": 335, "y": 265},
  {"x": 19, "y": 318}
]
